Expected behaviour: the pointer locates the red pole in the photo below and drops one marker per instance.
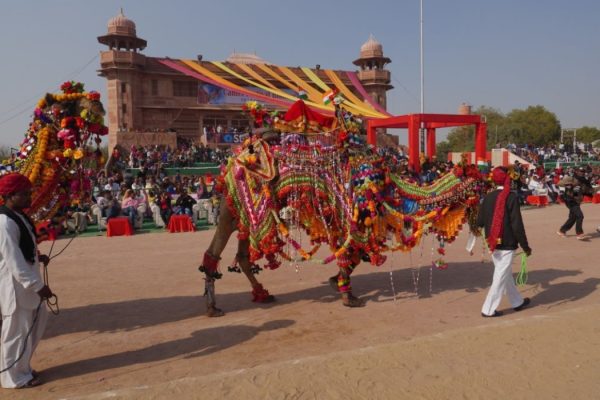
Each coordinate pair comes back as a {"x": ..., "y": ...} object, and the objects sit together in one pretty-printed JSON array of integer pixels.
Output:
[
  {"x": 413, "y": 142},
  {"x": 480, "y": 142},
  {"x": 371, "y": 136},
  {"x": 431, "y": 142}
]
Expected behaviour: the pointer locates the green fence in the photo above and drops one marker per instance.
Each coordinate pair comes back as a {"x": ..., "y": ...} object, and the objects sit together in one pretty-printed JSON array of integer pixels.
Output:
[
  {"x": 552, "y": 165},
  {"x": 213, "y": 169}
]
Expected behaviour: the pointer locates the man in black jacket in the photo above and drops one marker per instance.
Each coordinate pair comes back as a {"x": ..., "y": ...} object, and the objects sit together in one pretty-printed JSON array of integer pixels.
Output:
[
  {"x": 574, "y": 189},
  {"x": 185, "y": 202},
  {"x": 500, "y": 214}
]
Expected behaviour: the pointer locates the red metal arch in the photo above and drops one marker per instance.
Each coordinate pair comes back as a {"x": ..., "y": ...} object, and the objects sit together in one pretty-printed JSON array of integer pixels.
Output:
[{"x": 431, "y": 122}]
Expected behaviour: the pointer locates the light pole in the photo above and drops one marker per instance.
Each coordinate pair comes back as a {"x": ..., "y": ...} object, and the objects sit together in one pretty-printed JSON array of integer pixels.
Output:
[
  {"x": 422, "y": 127},
  {"x": 496, "y": 138},
  {"x": 566, "y": 131}
]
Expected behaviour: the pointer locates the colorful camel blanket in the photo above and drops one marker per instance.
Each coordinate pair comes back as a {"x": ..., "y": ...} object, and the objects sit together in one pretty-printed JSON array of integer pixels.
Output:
[{"x": 347, "y": 200}]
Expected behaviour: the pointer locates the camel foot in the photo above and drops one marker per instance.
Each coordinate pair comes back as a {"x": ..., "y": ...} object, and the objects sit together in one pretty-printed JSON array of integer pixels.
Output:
[
  {"x": 266, "y": 299},
  {"x": 333, "y": 282},
  {"x": 349, "y": 300},
  {"x": 213, "y": 312},
  {"x": 261, "y": 295}
]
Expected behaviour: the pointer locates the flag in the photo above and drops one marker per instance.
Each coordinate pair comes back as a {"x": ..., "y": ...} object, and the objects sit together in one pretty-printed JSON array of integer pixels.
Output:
[
  {"x": 329, "y": 96},
  {"x": 302, "y": 95}
]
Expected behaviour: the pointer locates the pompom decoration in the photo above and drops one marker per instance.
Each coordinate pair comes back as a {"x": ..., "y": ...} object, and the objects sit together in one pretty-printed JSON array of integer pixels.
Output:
[{"x": 61, "y": 144}]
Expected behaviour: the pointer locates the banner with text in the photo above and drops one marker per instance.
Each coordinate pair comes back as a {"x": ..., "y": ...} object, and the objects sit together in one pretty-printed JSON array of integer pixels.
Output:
[{"x": 215, "y": 95}]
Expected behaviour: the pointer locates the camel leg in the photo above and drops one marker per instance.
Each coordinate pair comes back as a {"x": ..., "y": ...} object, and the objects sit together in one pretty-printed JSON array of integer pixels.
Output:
[
  {"x": 341, "y": 283},
  {"x": 225, "y": 227},
  {"x": 259, "y": 294}
]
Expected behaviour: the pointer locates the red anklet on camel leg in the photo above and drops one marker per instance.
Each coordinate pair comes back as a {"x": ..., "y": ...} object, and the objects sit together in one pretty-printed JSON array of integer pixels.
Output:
[
  {"x": 210, "y": 266},
  {"x": 261, "y": 295}
]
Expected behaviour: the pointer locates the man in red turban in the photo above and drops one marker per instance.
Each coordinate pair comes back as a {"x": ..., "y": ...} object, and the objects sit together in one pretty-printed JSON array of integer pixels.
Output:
[
  {"x": 13, "y": 183},
  {"x": 500, "y": 214},
  {"x": 22, "y": 288}
]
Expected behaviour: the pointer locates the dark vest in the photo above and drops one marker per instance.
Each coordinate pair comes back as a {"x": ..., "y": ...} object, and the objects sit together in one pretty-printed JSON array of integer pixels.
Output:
[{"x": 26, "y": 244}]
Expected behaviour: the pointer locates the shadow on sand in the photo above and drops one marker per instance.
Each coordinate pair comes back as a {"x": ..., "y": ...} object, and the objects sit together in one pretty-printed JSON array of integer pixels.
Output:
[
  {"x": 198, "y": 344},
  {"x": 470, "y": 277},
  {"x": 130, "y": 315}
]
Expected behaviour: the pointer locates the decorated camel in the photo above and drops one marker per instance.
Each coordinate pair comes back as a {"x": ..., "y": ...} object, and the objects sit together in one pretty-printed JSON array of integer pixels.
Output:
[
  {"x": 61, "y": 149},
  {"x": 308, "y": 177}
]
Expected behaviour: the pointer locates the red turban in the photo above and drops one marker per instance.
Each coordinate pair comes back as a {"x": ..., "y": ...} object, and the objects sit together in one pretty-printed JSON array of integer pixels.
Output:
[
  {"x": 13, "y": 183},
  {"x": 499, "y": 176}
]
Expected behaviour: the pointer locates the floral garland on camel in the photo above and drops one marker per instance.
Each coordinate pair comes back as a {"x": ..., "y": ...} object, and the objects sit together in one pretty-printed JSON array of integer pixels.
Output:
[{"x": 61, "y": 149}]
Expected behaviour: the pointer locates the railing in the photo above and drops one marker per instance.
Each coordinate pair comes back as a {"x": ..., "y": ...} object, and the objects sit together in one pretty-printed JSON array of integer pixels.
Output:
[
  {"x": 374, "y": 74},
  {"x": 552, "y": 164},
  {"x": 186, "y": 171},
  {"x": 118, "y": 57}
]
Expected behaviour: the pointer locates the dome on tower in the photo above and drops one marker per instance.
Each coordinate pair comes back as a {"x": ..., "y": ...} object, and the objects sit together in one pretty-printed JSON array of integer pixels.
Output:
[
  {"x": 121, "y": 25},
  {"x": 121, "y": 35},
  {"x": 371, "y": 48},
  {"x": 245, "y": 58}
]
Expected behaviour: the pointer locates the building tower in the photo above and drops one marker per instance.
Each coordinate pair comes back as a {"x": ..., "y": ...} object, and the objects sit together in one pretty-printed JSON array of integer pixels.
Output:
[
  {"x": 121, "y": 65},
  {"x": 373, "y": 75}
]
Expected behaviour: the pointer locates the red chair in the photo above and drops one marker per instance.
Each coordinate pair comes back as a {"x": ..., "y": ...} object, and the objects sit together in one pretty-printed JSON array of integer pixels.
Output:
[
  {"x": 45, "y": 231},
  {"x": 119, "y": 226},
  {"x": 539, "y": 201},
  {"x": 181, "y": 223}
]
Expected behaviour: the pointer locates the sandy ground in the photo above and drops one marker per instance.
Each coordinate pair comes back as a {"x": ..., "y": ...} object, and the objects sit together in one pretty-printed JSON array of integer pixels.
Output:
[{"x": 132, "y": 325}]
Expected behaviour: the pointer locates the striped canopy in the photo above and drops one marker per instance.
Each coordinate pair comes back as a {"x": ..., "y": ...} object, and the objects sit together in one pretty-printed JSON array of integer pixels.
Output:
[{"x": 281, "y": 86}]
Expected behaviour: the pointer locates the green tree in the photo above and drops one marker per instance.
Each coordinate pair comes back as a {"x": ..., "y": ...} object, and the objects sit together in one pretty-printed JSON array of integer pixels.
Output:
[
  {"x": 5, "y": 153},
  {"x": 588, "y": 134},
  {"x": 534, "y": 125},
  {"x": 463, "y": 138}
]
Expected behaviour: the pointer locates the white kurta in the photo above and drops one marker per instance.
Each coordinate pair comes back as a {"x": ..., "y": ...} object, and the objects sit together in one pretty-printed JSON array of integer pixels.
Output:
[
  {"x": 502, "y": 283},
  {"x": 19, "y": 283}
]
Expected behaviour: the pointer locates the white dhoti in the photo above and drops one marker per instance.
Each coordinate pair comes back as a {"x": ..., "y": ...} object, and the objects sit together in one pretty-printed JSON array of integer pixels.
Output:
[
  {"x": 471, "y": 242},
  {"x": 502, "y": 283},
  {"x": 208, "y": 206},
  {"x": 79, "y": 222},
  {"x": 14, "y": 330},
  {"x": 158, "y": 221}
]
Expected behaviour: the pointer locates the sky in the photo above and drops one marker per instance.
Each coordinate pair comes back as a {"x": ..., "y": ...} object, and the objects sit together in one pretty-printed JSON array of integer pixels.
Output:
[{"x": 504, "y": 54}]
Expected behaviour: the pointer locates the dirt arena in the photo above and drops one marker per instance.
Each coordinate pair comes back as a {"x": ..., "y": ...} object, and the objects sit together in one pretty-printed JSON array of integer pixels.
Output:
[{"x": 132, "y": 325}]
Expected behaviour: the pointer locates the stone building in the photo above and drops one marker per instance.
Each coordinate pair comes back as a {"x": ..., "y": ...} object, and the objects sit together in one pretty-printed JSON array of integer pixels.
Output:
[{"x": 152, "y": 100}]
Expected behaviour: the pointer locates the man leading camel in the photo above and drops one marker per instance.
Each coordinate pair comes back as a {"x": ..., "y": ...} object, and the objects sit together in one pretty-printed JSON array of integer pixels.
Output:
[
  {"x": 22, "y": 288},
  {"x": 504, "y": 231}
]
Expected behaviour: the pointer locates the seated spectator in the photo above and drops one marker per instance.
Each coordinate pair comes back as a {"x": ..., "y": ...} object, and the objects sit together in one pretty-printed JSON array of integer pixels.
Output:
[
  {"x": 155, "y": 209},
  {"x": 129, "y": 206},
  {"x": 137, "y": 184},
  {"x": 216, "y": 207},
  {"x": 522, "y": 189},
  {"x": 113, "y": 186},
  {"x": 537, "y": 188},
  {"x": 170, "y": 188},
  {"x": 164, "y": 204},
  {"x": 185, "y": 203},
  {"x": 113, "y": 208},
  {"x": 76, "y": 217}
]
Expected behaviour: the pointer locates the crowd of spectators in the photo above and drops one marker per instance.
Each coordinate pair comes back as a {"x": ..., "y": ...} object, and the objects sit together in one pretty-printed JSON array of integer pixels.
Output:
[
  {"x": 151, "y": 194},
  {"x": 537, "y": 155},
  {"x": 154, "y": 157},
  {"x": 540, "y": 182},
  {"x": 142, "y": 197}
]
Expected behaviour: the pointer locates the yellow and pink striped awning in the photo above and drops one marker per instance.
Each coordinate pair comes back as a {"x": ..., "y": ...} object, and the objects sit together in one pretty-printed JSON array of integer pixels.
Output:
[{"x": 281, "y": 85}]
